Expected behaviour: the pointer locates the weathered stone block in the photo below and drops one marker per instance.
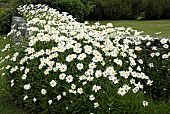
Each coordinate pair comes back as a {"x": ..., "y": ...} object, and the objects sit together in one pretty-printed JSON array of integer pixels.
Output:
[{"x": 19, "y": 28}]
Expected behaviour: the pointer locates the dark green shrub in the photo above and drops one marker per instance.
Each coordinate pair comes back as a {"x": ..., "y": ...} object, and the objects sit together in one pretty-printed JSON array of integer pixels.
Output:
[
  {"x": 98, "y": 11},
  {"x": 117, "y": 9},
  {"x": 107, "y": 9},
  {"x": 77, "y": 8},
  {"x": 154, "y": 10},
  {"x": 157, "y": 9},
  {"x": 130, "y": 9},
  {"x": 166, "y": 13},
  {"x": 5, "y": 20}
]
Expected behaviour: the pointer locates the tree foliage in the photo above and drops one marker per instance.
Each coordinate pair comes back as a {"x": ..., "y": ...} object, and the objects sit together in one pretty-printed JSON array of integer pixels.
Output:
[{"x": 130, "y": 9}]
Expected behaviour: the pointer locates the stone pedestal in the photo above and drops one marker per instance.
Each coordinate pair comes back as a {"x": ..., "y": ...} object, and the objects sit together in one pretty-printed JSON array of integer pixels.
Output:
[{"x": 19, "y": 28}]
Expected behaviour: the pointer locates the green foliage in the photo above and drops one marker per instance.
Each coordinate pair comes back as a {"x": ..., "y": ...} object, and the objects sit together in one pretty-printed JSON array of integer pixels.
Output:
[
  {"x": 154, "y": 9},
  {"x": 78, "y": 8},
  {"x": 5, "y": 20},
  {"x": 130, "y": 9},
  {"x": 117, "y": 9},
  {"x": 157, "y": 9},
  {"x": 166, "y": 13}
]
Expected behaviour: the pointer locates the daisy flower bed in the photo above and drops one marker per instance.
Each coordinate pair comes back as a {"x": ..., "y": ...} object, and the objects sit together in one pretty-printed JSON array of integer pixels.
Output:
[{"x": 63, "y": 66}]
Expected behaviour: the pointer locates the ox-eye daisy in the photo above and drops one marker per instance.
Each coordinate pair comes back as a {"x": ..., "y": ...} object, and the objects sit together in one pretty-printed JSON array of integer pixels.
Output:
[
  {"x": 43, "y": 91},
  {"x": 69, "y": 79},
  {"x": 122, "y": 91},
  {"x": 53, "y": 83},
  {"x": 79, "y": 66}
]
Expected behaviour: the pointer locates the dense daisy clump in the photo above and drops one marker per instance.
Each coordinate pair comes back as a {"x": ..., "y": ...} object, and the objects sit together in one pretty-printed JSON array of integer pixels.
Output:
[
  {"x": 157, "y": 66},
  {"x": 64, "y": 66}
]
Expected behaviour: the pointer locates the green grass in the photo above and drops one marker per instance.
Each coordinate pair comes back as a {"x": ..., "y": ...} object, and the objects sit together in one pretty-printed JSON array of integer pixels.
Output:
[
  {"x": 150, "y": 27},
  {"x": 7, "y": 105}
]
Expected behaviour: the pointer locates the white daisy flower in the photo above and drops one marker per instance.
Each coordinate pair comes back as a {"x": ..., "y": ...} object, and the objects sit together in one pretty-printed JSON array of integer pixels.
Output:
[
  {"x": 145, "y": 103},
  {"x": 53, "y": 83},
  {"x": 150, "y": 65},
  {"x": 27, "y": 70},
  {"x": 92, "y": 65},
  {"x": 81, "y": 56},
  {"x": 34, "y": 99},
  {"x": 24, "y": 76},
  {"x": 88, "y": 49},
  {"x": 96, "y": 104},
  {"x": 69, "y": 78},
  {"x": 90, "y": 78},
  {"x": 139, "y": 85},
  {"x": 43, "y": 91},
  {"x": 98, "y": 73},
  {"x": 140, "y": 61},
  {"x": 89, "y": 72},
  {"x": 96, "y": 88},
  {"x": 80, "y": 90},
  {"x": 132, "y": 81},
  {"x": 114, "y": 79},
  {"x": 64, "y": 93},
  {"x": 62, "y": 76},
  {"x": 91, "y": 97},
  {"x": 25, "y": 97},
  {"x": 166, "y": 46},
  {"x": 165, "y": 56},
  {"x": 152, "y": 54},
  {"x": 82, "y": 77},
  {"x": 157, "y": 54},
  {"x": 127, "y": 87},
  {"x": 118, "y": 61},
  {"x": 84, "y": 83},
  {"x": 79, "y": 66},
  {"x": 149, "y": 82},
  {"x": 73, "y": 86},
  {"x": 135, "y": 90},
  {"x": 139, "y": 68},
  {"x": 27, "y": 86},
  {"x": 63, "y": 68},
  {"x": 164, "y": 41},
  {"x": 121, "y": 91},
  {"x": 148, "y": 43},
  {"x": 59, "y": 97},
  {"x": 50, "y": 102}
]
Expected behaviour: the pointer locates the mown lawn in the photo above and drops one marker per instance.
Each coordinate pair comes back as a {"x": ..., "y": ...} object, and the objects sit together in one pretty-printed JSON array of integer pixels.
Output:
[
  {"x": 150, "y": 27},
  {"x": 7, "y": 105}
]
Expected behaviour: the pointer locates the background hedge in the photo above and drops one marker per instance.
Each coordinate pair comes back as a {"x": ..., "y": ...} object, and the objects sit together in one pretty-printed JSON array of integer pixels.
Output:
[{"x": 130, "y": 9}]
